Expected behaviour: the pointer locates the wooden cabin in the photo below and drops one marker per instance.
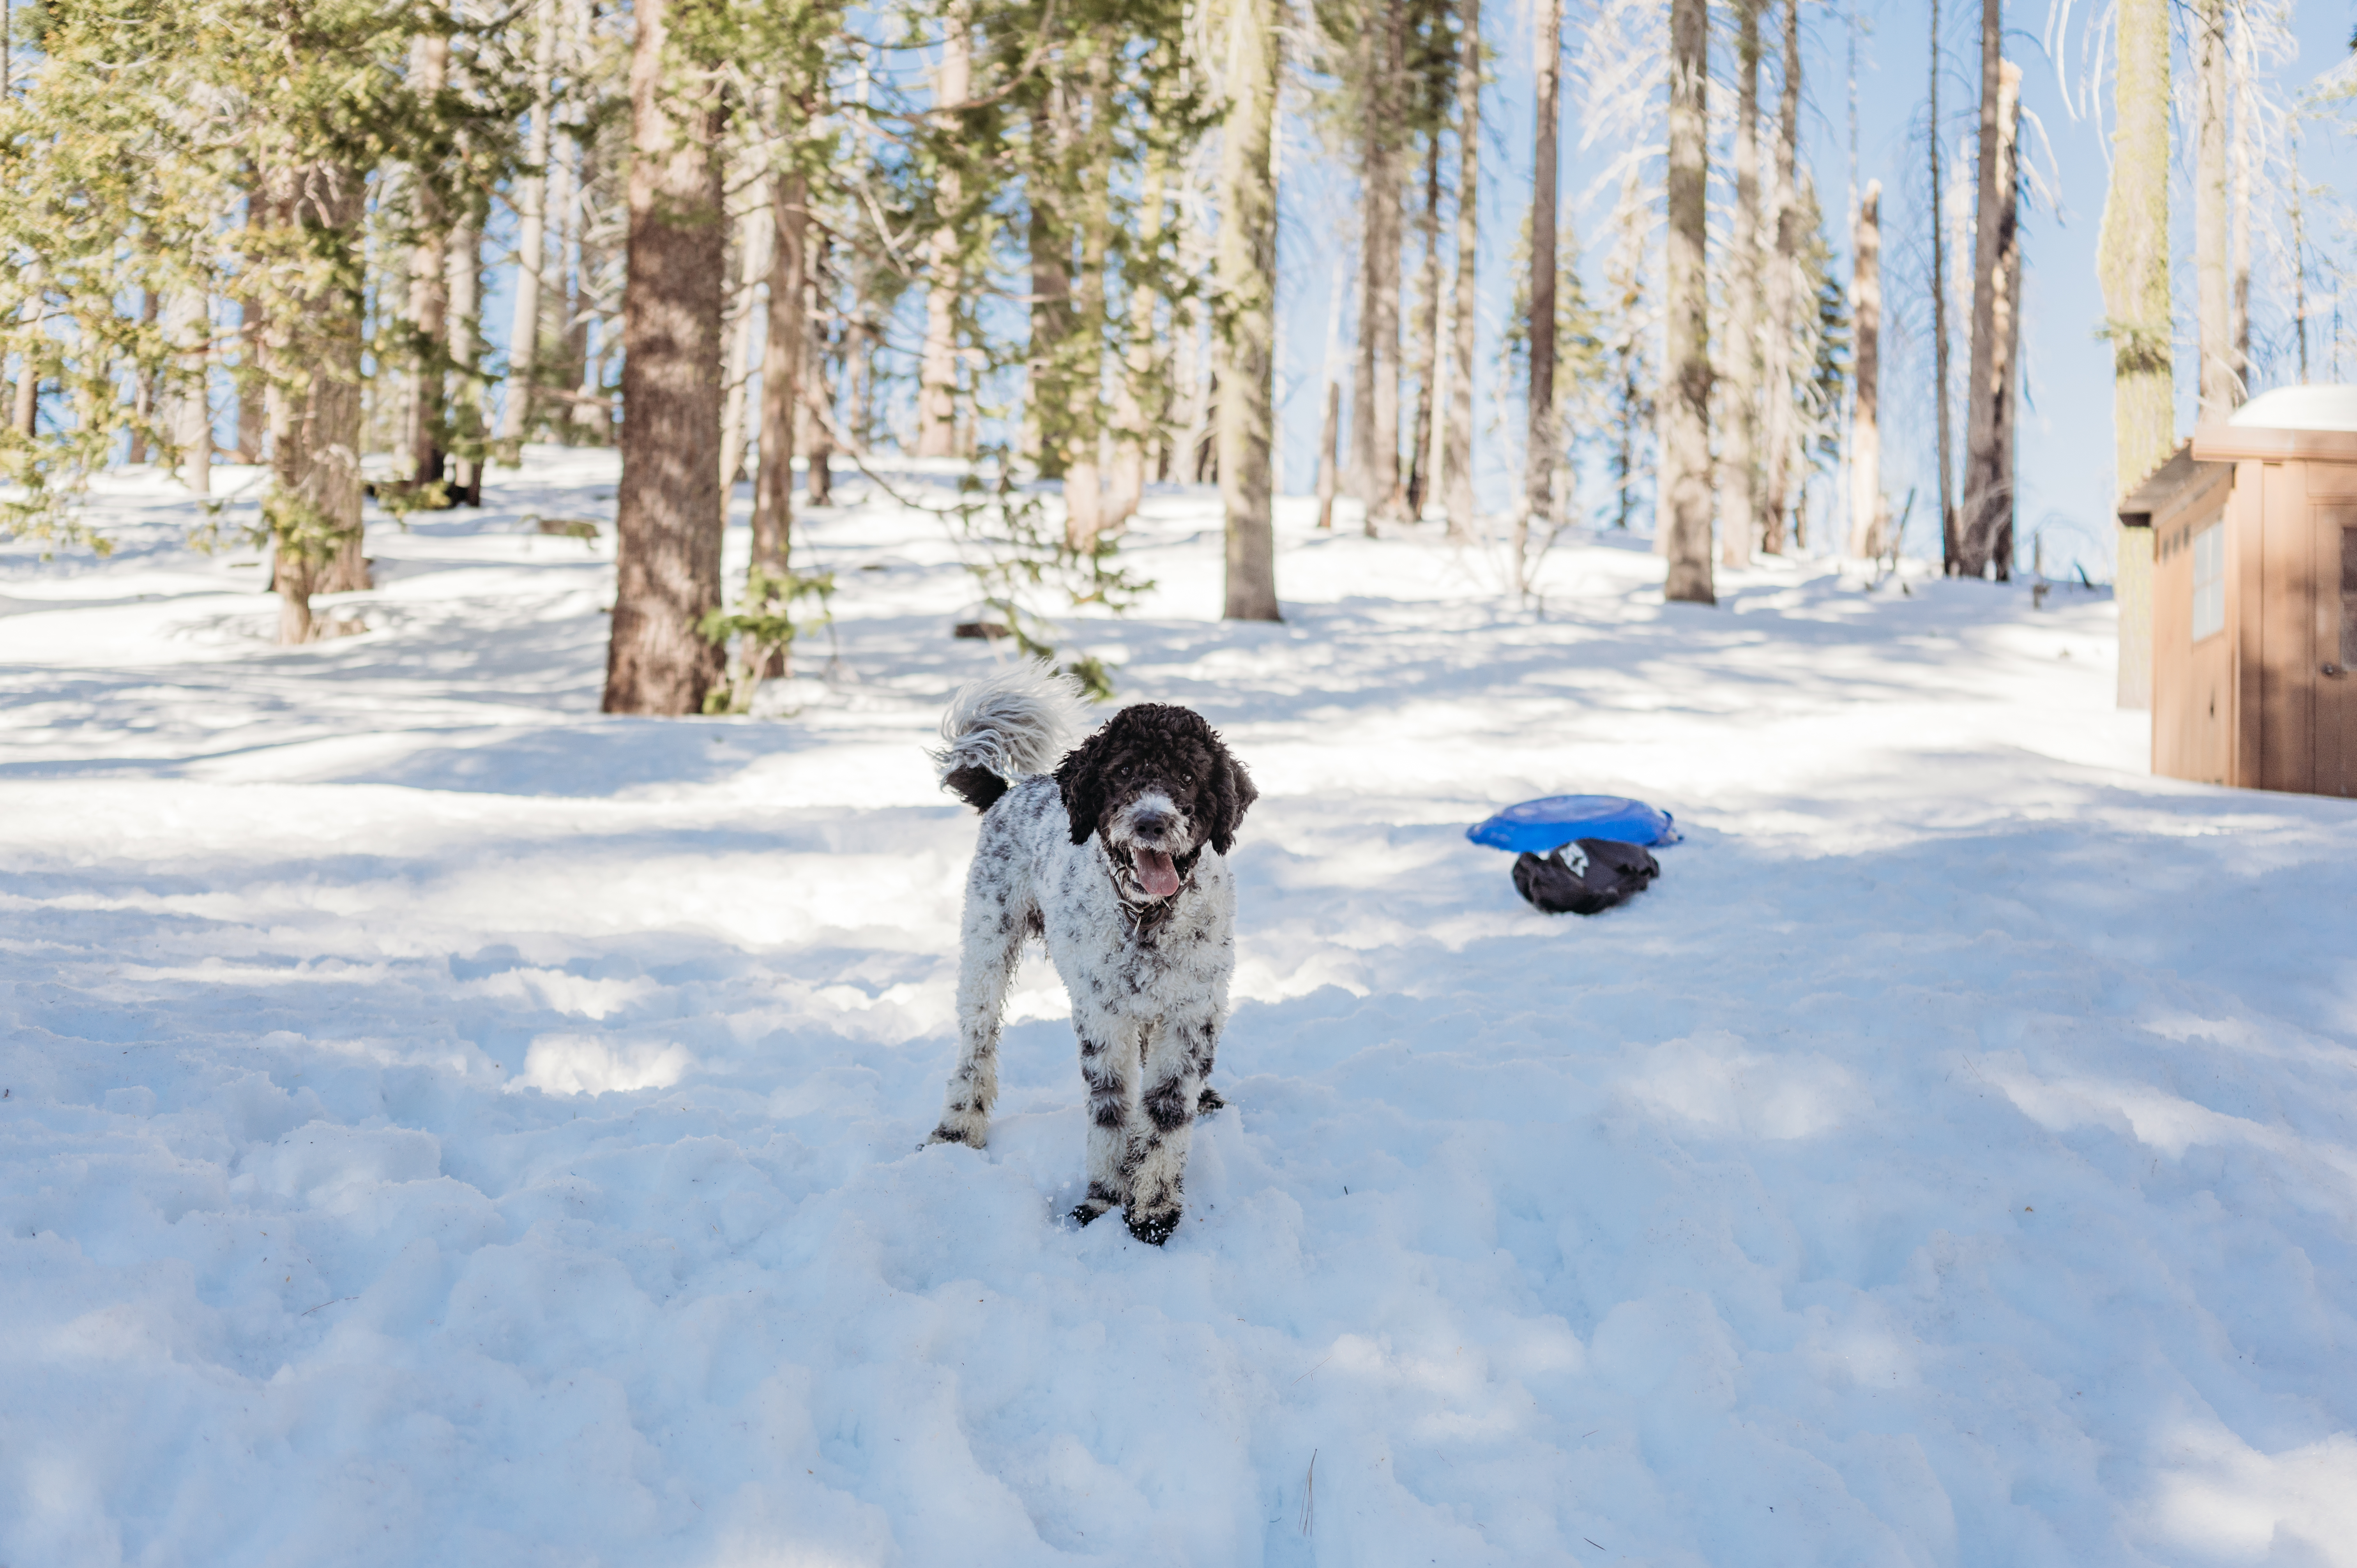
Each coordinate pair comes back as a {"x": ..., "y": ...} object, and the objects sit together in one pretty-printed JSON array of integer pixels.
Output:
[{"x": 2255, "y": 596}]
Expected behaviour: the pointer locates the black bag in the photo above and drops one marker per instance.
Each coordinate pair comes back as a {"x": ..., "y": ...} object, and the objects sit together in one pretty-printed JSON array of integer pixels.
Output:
[{"x": 1585, "y": 877}]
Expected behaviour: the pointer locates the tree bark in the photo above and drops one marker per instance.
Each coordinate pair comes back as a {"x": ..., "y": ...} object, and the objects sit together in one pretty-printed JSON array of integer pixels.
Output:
[
  {"x": 2213, "y": 288},
  {"x": 1739, "y": 463},
  {"x": 1781, "y": 365},
  {"x": 1247, "y": 308},
  {"x": 1988, "y": 499},
  {"x": 531, "y": 231},
  {"x": 429, "y": 286},
  {"x": 781, "y": 360},
  {"x": 312, "y": 358},
  {"x": 1456, "y": 465},
  {"x": 1084, "y": 499},
  {"x": 1329, "y": 433},
  {"x": 2132, "y": 263},
  {"x": 1866, "y": 427},
  {"x": 668, "y": 516},
  {"x": 1685, "y": 501},
  {"x": 937, "y": 371},
  {"x": 1539, "y": 446},
  {"x": 1428, "y": 337},
  {"x": 143, "y": 409},
  {"x": 1132, "y": 427},
  {"x": 2238, "y": 199},
  {"x": 1948, "y": 541},
  {"x": 187, "y": 330},
  {"x": 818, "y": 397},
  {"x": 466, "y": 409},
  {"x": 753, "y": 247},
  {"x": 1051, "y": 298}
]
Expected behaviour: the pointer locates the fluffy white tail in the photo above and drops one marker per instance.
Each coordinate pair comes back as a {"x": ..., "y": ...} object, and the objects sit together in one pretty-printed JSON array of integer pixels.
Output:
[{"x": 1004, "y": 727}]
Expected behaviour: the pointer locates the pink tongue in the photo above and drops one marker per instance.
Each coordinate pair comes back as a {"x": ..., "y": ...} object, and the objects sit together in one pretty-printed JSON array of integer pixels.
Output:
[{"x": 1155, "y": 874}]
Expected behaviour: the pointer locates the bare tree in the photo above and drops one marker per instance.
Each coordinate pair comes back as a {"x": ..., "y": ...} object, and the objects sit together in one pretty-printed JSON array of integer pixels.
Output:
[
  {"x": 1429, "y": 356},
  {"x": 1988, "y": 503},
  {"x": 667, "y": 510},
  {"x": 2132, "y": 262},
  {"x": 532, "y": 230},
  {"x": 1739, "y": 468},
  {"x": 1866, "y": 429},
  {"x": 944, "y": 270},
  {"x": 2212, "y": 287},
  {"x": 1538, "y": 453},
  {"x": 1684, "y": 500},
  {"x": 1942, "y": 509},
  {"x": 1458, "y": 461},
  {"x": 781, "y": 361},
  {"x": 1782, "y": 375}
]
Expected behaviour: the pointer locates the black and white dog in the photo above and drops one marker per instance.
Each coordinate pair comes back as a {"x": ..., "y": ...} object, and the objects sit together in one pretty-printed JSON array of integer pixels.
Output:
[{"x": 1118, "y": 859}]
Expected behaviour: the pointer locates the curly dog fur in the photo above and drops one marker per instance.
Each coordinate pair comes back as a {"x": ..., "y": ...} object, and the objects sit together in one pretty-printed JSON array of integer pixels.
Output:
[{"x": 1119, "y": 860}]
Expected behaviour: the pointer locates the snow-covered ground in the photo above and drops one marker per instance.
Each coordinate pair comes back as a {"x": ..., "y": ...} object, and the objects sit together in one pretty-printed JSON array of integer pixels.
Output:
[{"x": 439, "y": 1124}]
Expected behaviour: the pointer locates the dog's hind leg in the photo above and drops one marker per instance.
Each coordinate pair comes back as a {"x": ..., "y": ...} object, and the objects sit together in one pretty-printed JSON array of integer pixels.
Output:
[{"x": 999, "y": 913}]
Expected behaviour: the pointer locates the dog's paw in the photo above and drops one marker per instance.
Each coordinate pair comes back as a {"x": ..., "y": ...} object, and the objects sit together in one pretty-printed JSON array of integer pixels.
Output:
[
  {"x": 1153, "y": 1228},
  {"x": 1100, "y": 1200},
  {"x": 1209, "y": 1104},
  {"x": 970, "y": 1131}
]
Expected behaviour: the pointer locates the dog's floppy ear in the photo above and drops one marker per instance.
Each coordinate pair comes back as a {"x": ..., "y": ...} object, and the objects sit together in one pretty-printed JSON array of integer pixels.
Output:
[
  {"x": 1232, "y": 791},
  {"x": 1080, "y": 778}
]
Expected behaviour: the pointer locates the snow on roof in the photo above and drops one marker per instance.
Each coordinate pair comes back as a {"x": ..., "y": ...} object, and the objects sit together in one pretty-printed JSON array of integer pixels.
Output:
[{"x": 2300, "y": 408}]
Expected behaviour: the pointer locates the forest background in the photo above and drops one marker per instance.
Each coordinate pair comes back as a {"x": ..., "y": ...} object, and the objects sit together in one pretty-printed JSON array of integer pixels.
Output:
[{"x": 1071, "y": 171}]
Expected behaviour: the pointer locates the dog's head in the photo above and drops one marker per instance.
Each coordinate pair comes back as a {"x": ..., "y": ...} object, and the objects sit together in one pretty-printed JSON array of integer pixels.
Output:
[{"x": 1157, "y": 783}]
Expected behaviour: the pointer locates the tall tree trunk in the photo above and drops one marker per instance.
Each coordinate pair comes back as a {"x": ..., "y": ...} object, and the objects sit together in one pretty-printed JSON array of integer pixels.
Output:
[
  {"x": 1783, "y": 301},
  {"x": 1427, "y": 336},
  {"x": 1949, "y": 541},
  {"x": 142, "y": 396},
  {"x": 1539, "y": 444},
  {"x": 1997, "y": 256},
  {"x": 1865, "y": 426},
  {"x": 1388, "y": 497},
  {"x": 312, "y": 358},
  {"x": 429, "y": 289},
  {"x": 668, "y": 517},
  {"x": 2238, "y": 198},
  {"x": 531, "y": 231},
  {"x": 2132, "y": 263},
  {"x": 1083, "y": 476},
  {"x": 818, "y": 397},
  {"x": 189, "y": 332},
  {"x": 1329, "y": 435},
  {"x": 781, "y": 361},
  {"x": 1132, "y": 426},
  {"x": 466, "y": 360},
  {"x": 1739, "y": 464},
  {"x": 1050, "y": 239},
  {"x": 753, "y": 246},
  {"x": 937, "y": 371},
  {"x": 2213, "y": 288},
  {"x": 1458, "y": 464},
  {"x": 1247, "y": 308},
  {"x": 1685, "y": 501}
]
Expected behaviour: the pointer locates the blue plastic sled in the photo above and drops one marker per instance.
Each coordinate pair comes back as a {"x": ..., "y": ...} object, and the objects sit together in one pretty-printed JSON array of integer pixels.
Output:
[{"x": 1539, "y": 826}]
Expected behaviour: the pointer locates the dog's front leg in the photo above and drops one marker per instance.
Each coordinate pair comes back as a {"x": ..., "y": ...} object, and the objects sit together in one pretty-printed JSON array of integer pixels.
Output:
[
  {"x": 1109, "y": 1067},
  {"x": 1175, "y": 1053}
]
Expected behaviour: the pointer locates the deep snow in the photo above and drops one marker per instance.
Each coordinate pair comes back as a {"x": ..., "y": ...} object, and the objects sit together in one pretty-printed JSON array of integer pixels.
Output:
[{"x": 440, "y": 1124}]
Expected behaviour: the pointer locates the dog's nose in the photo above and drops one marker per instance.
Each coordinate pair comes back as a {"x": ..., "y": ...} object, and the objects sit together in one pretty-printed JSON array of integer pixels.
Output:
[{"x": 1151, "y": 822}]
